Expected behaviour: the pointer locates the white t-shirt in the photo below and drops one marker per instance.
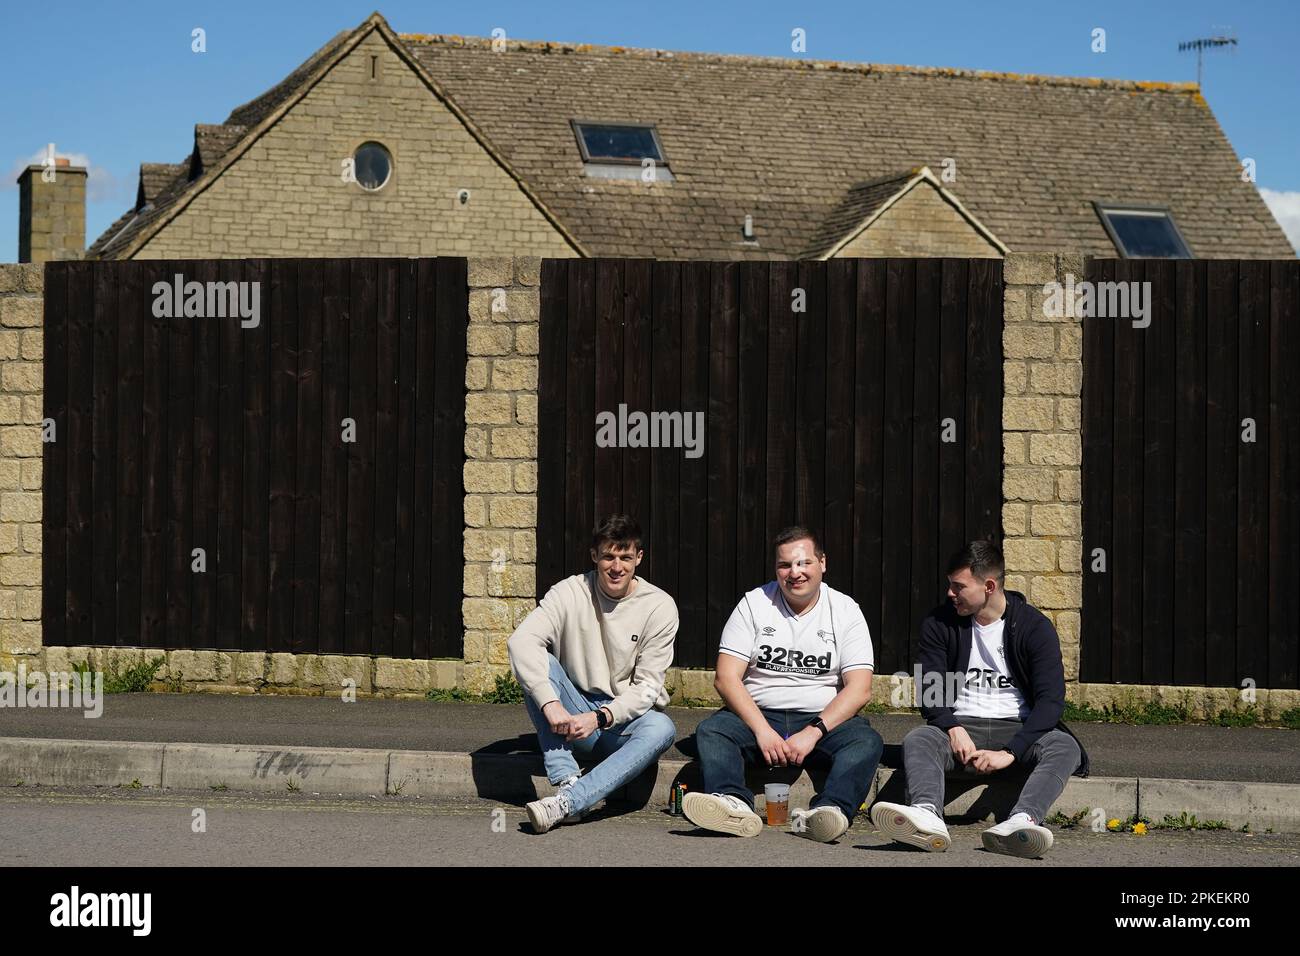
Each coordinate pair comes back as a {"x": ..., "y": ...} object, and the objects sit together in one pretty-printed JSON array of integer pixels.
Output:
[
  {"x": 795, "y": 661},
  {"x": 986, "y": 689}
]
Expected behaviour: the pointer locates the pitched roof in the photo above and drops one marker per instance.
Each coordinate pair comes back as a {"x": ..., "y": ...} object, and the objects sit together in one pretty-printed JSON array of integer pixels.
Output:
[
  {"x": 154, "y": 178},
  {"x": 795, "y": 143},
  {"x": 211, "y": 142},
  {"x": 787, "y": 140},
  {"x": 865, "y": 202}
]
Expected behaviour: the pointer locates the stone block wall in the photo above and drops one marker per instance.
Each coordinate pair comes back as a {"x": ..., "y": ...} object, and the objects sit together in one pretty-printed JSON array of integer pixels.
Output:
[
  {"x": 500, "y": 460},
  {"x": 21, "y": 390},
  {"x": 1042, "y": 447}
]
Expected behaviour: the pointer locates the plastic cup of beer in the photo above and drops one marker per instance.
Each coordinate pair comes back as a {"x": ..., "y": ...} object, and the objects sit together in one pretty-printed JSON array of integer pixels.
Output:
[{"x": 777, "y": 796}]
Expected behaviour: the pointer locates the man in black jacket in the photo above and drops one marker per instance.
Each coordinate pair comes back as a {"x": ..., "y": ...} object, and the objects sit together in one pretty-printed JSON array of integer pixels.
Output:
[{"x": 992, "y": 693}]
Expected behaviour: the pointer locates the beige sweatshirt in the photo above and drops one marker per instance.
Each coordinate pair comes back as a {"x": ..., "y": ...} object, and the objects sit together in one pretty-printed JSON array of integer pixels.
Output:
[{"x": 626, "y": 659}]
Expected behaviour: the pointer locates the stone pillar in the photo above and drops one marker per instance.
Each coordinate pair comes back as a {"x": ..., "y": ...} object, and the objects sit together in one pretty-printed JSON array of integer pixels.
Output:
[
  {"x": 21, "y": 401},
  {"x": 501, "y": 470},
  {"x": 1042, "y": 446}
]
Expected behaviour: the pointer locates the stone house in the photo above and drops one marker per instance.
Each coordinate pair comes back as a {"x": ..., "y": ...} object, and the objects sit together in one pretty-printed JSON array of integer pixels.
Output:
[
  {"x": 506, "y": 152},
  {"x": 417, "y": 145}
]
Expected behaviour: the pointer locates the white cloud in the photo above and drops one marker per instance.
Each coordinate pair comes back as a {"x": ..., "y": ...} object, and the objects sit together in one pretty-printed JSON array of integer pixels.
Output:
[
  {"x": 1285, "y": 207},
  {"x": 100, "y": 183}
]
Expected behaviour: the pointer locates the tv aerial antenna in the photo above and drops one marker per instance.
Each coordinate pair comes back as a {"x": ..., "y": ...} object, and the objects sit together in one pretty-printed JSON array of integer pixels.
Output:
[{"x": 1224, "y": 38}]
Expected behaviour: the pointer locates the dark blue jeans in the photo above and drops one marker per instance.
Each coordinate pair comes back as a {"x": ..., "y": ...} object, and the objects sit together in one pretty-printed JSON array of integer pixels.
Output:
[{"x": 726, "y": 743}]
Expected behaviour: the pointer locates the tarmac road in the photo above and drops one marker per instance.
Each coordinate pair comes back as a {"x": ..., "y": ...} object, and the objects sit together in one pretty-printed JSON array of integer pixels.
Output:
[{"x": 42, "y": 826}]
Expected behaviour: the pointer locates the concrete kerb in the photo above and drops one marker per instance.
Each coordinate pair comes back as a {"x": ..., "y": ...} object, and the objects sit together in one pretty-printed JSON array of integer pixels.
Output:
[{"x": 514, "y": 778}]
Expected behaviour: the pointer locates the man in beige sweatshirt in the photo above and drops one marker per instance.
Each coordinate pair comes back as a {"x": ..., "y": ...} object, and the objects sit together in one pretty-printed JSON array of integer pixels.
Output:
[{"x": 592, "y": 658}]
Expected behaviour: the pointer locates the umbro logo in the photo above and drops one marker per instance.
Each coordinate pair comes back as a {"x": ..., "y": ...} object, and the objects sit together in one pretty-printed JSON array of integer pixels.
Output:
[{"x": 769, "y": 630}]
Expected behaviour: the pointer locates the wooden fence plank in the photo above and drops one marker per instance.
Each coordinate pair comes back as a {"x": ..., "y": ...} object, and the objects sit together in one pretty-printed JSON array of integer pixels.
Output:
[
  {"x": 281, "y": 477},
  {"x": 448, "y": 442},
  {"x": 1223, "y": 447},
  {"x": 665, "y": 396},
  {"x": 103, "y": 472},
  {"x": 723, "y": 452},
  {"x": 1189, "y": 560},
  {"x": 552, "y": 388},
  {"x": 55, "y": 460}
]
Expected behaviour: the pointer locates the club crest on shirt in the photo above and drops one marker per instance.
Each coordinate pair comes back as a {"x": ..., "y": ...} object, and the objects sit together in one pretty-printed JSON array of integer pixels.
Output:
[{"x": 828, "y": 637}]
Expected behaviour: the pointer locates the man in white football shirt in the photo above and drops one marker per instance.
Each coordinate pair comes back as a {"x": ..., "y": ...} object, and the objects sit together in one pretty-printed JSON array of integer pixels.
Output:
[{"x": 794, "y": 668}]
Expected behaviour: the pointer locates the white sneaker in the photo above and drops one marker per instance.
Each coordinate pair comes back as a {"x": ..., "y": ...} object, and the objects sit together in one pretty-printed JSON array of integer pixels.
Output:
[
  {"x": 823, "y": 824},
  {"x": 563, "y": 788},
  {"x": 546, "y": 812},
  {"x": 915, "y": 826},
  {"x": 723, "y": 813},
  {"x": 1018, "y": 835}
]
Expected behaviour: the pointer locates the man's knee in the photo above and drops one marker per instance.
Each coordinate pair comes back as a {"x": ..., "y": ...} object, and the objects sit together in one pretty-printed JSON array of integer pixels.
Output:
[
  {"x": 659, "y": 728},
  {"x": 717, "y": 726},
  {"x": 925, "y": 738},
  {"x": 862, "y": 742},
  {"x": 555, "y": 670},
  {"x": 1058, "y": 745}
]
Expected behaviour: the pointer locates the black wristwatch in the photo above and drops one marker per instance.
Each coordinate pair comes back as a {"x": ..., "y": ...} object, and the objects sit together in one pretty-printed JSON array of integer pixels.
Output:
[
  {"x": 601, "y": 720},
  {"x": 820, "y": 725}
]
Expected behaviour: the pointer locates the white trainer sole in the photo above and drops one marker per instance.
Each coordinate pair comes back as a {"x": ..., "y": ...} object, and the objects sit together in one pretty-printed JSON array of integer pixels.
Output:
[
  {"x": 1028, "y": 842},
  {"x": 823, "y": 827},
  {"x": 713, "y": 813},
  {"x": 898, "y": 827}
]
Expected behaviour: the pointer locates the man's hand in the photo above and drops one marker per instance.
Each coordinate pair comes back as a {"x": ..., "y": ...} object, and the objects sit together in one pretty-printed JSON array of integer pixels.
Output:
[
  {"x": 582, "y": 726},
  {"x": 557, "y": 717},
  {"x": 963, "y": 747},
  {"x": 987, "y": 761},
  {"x": 800, "y": 745},
  {"x": 774, "y": 747}
]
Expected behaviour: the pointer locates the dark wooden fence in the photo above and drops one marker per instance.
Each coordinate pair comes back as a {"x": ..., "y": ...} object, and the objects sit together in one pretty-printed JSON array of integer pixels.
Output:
[
  {"x": 1200, "y": 528},
  {"x": 183, "y": 433},
  {"x": 830, "y": 417}
]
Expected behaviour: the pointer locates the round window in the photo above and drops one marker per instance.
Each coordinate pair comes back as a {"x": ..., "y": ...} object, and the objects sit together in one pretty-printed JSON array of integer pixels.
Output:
[{"x": 373, "y": 165}]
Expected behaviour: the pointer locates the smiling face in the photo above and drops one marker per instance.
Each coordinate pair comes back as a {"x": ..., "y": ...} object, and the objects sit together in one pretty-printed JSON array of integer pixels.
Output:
[
  {"x": 969, "y": 594},
  {"x": 616, "y": 565},
  {"x": 799, "y": 572}
]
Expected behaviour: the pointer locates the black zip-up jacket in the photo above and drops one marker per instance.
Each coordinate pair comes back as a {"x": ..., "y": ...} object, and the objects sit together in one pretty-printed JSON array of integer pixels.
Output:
[{"x": 1033, "y": 656}]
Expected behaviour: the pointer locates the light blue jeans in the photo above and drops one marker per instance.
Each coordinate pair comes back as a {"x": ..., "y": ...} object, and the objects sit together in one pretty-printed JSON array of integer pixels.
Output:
[{"x": 624, "y": 750}]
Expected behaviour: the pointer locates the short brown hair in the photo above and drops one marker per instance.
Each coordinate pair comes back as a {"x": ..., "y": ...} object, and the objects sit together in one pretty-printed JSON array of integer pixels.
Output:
[
  {"x": 796, "y": 532},
  {"x": 620, "y": 529},
  {"x": 984, "y": 558}
]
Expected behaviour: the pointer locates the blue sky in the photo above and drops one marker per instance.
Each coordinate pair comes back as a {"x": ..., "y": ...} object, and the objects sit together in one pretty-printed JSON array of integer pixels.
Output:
[{"x": 117, "y": 83}]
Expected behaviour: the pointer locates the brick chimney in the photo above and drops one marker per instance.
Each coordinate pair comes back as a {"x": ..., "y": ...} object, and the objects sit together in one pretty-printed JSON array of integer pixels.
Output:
[{"x": 52, "y": 212}]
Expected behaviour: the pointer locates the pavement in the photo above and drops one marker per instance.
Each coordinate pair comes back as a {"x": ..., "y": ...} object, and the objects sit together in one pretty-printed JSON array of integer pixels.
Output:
[{"x": 429, "y": 750}]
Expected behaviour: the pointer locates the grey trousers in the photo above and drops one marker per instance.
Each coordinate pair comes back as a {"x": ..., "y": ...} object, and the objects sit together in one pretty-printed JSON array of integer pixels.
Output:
[{"x": 927, "y": 756}]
